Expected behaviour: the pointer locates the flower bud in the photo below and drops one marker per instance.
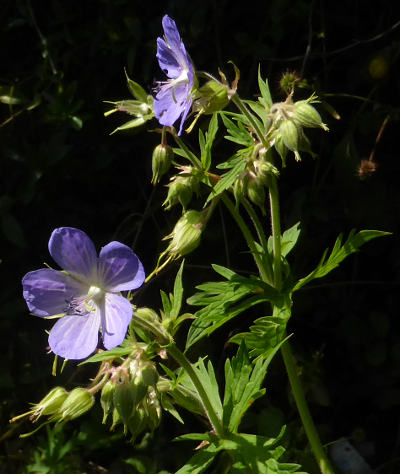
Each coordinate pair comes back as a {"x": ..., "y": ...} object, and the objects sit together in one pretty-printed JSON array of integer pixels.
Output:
[
  {"x": 161, "y": 161},
  {"x": 212, "y": 97},
  {"x": 78, "y": 402},
  {"x": 186, "y": 235},
  {"x": 147, "y": 313},
  {"x": 127, "y": 395},
  {"x": 181, "y": 191},
  {"x": 290, "y": 134},
  {"x": 240, "y": 187},
  {"x": 307, "y": 116},
  {"x": 152, "y": 408},
  {"x": 149, "y": 374},
  {"x": 256, "y": 191},
  {"x": 106, "y": 399}
]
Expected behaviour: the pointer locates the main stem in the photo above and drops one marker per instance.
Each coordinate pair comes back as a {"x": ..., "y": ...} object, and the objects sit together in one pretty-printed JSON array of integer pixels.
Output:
[
  {"x": 288, "y": 358},
  {"x": 290, "y": 363}
]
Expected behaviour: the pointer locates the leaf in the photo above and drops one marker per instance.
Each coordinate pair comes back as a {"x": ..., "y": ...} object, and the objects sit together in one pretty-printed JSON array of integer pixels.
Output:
[
  {"x": 339, "y": 253},
  {"x": 210, "y": 384},
  {"x": 210, "y": 137},
  {"x": 265, "y": 98},
  {"x": 288, "y": 240},
  {"x": 178, "y": 294},
  {"x": 242, "y": 386},
  {"x": 238, "y": 133},
  {"x": 228, "y": 178},
  {"x": 108, "y": 355},
  {"x": 136, "y": 89},
  {"x": 200, "y": 461},
  {"x": 222, "y": 302},
  {"x": 136, "y": 122}
]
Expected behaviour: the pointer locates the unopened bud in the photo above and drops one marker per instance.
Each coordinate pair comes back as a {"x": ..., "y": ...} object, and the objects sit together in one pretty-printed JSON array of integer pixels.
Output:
[
  {"x": 152, "y": 409},
  {"x": 106, "y": 398},
  {"x": 307, "y": 116},
  {"x": 78, "y": 402},
  {"x": 181, "y": 191},
  {"x": 161, "y": 161},
  {"x": 212, "y": 97},
  {"x": 290, "y": 134},
  {"x": 147, "y": 313},
  {"x": 149, "y": 374},
  {"x": 256, "y": 191},
  {"x": 240, "y": 187},
  {"x": 186, "y": 235}
]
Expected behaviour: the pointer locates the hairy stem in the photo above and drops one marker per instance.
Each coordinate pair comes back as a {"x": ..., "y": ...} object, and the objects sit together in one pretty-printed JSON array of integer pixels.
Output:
[{"x": 183, "y": 361}]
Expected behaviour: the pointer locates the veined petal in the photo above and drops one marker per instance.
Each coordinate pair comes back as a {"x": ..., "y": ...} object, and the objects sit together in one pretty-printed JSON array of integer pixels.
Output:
[
  {"x": 74, "y": 252},
  {"x": 119, "y": 269},
  {"x": 171, "y": 102},
  {"x": 167, "y": 60},
  {"x": 116, "y": 314},
  {"x": 75, "y": 337},
  {"x": 47, "y": 291},
  {"x": 171, "y": 33}
]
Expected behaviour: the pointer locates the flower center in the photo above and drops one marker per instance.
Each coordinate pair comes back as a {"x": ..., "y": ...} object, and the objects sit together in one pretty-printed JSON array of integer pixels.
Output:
[{"x": 84, "y": 304}]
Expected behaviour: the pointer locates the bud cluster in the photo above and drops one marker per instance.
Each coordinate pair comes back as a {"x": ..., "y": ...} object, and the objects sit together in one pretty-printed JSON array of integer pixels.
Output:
[
  {"x": 288, "y": 120},
  {"x": 60, "y": 405},
  {"x": 131, "y": 396},
  {"x": 251, "y": 183}
]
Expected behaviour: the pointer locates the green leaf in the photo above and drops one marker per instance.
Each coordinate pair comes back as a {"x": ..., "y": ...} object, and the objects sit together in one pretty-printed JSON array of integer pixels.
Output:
[
  {"x": 115, "y": 353},
  {"x": 288, "y": 240},
  {"x": 227, "y": 179},
  {"x": 136, "y": 89},
  {"x": 242, "y": 387},
  {"x": 238, "y": 133},
  {"x": 178, "y": 294},
  {"x": 136, "y": 122},
  {"x": 210, "y": 137},
  {"x": 210, "y": 384},
  {"x": 224, "y": 300},
  {"x": 339, "y": 253},
  {"x": 201, "y": 460},
  {"x": 265, "y": 98}
]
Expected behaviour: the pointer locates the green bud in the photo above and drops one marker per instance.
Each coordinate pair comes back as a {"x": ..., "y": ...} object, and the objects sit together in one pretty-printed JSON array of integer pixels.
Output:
[
  {"x": 212, "y": 97},
  {"x": 161, "y": 161},
  {"x": 147, "y": 313},
  {"x": 240, "y": 187},
  {"x": 78, "y": 402},
  {"x": 290, "y": 134},
  {"x": 149, "y": 374},
  {"x": 186, "y": 235},
  {"x": 256, "y": 191},
  {"x": 106, "y": 399},
  {"x": 152, "y": 408},
  {"x": 307, "y": 116},
  {"x": 181, "y": 191},
  {"x": 52, "y": 401},
  {"x": 125, "y": 400},
  {"x": 164, "y": 385}
]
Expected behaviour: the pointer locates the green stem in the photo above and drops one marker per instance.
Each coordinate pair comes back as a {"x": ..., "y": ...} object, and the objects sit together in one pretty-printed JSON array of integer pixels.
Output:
[
  {"x": 183, "y": 361},
  {"x": 189, "y": 155},
  {"x": 261, "y": 235},
  {"x": 295, "y": 383},
  {"x": 305, "y": 415},
  {"x": 247, "y": 235}
]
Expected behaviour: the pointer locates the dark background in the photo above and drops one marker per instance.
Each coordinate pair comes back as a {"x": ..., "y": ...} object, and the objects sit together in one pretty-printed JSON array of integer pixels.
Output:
[{"x": 61, "y": 167}]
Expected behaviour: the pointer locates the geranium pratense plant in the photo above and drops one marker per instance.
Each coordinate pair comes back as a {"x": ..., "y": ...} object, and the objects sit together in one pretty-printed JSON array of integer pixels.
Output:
[
  {"x": 174, "y": 97},
  {"x": 86, "y": 295}
]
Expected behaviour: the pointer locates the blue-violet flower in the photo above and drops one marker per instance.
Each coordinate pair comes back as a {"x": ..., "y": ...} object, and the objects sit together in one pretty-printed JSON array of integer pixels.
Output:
[
  {"x": 86, "y": 294},
  {"x": 174, "y": 97}
]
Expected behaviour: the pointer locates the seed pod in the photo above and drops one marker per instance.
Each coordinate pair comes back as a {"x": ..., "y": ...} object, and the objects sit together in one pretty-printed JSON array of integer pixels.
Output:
[
  {"x": 78, "y": 402},
  {"x": 307, "y": 116},
  {"x": 290, "y": 134},
  {"x": 256, "y": 192},
  {"x": 161, "y": 161},
  {"x": 106, "y": 398},
  {"x": 186, "y": 235}
]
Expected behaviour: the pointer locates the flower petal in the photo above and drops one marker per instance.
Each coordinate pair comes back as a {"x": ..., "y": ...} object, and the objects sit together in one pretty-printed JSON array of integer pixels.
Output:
[
  {"x": 171, "y": 33},
  {"x": 167, "y": 60},
  {"x": 74, "y": 252},
  {"x": 116, "y": 314},
  {"x": 171, "y": 102},
  {"x": 75, "y": 337},
  {"x": 119, "y": 269},
  {"x": 47, "y": 291}
]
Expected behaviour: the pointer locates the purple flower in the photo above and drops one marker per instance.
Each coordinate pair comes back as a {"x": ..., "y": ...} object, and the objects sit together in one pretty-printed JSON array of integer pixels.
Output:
[
  {"x": 174, "y": 97},
  {"x": 86, "y": 295}
]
